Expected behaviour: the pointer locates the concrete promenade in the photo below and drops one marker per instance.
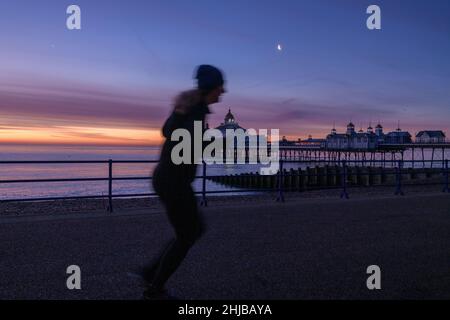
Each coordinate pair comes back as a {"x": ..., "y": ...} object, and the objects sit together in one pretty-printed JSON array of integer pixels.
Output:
[{"x": 300, "y": 249}]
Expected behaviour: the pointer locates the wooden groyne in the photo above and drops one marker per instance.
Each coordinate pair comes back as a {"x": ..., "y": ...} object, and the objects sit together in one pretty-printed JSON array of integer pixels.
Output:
[{"x": 328, "y": 176}]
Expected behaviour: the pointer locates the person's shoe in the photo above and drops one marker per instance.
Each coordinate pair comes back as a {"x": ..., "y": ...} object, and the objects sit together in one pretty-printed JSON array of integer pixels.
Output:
[
  {"x": 152, "y": 293},
  {"x": 148, "y": 273}
]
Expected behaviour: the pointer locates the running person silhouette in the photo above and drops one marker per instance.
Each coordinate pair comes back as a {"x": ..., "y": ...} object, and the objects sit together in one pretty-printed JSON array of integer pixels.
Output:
[{"x": 172, "y": 182}]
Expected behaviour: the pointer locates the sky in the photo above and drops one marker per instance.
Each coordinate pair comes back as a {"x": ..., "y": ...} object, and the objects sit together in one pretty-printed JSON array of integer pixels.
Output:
[{"x": 113, "y": 82}]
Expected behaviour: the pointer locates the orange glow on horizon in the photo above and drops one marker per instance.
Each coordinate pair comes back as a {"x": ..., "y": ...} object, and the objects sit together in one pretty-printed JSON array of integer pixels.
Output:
[
  {"x": 76, "y": 135},
  {"x": 79, "y": 136}
]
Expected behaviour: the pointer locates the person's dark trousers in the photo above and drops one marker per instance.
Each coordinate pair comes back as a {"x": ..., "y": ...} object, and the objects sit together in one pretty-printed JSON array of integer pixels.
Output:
[{"x": 184, "y": 216}]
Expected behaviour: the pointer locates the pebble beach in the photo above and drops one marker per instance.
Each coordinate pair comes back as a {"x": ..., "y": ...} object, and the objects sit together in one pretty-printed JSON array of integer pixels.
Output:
[{"x": 55, "y": 207}]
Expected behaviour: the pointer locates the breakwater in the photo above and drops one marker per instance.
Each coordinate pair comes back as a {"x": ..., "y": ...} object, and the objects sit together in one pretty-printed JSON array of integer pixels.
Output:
[{"x": 329, "y": 176}]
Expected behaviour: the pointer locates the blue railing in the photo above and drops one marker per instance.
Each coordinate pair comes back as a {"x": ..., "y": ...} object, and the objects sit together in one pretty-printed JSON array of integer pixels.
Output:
[{"x": 280, "y": 189}]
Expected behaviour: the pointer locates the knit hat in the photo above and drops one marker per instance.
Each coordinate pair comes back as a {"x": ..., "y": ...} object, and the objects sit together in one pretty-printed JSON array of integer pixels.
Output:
[{"x": 209, "y": 77}]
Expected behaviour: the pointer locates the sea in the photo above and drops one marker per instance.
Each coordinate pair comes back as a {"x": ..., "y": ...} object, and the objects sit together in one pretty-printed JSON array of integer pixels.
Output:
[
  {"x": 104, "y": 153},
  {"x": 90, "y": 170}
]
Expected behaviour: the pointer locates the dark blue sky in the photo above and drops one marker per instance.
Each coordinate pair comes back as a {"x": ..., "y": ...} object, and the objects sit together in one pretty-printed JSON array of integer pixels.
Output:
[{"x": 121, "y": 71}]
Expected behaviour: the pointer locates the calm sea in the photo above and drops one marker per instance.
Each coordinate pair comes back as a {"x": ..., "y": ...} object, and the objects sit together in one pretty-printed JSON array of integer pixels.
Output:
[{"x": 86, "y": 188}]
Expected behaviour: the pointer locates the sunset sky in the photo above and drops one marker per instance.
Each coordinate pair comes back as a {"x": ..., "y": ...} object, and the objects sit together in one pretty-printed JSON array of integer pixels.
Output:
[{"x": 113, "y": 82}]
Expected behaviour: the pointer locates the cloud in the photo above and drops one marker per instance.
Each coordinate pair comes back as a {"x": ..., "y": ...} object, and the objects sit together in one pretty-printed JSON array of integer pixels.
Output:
[
  {"x": 45, "y": 107},
  {"x": 54, "y": 106}
]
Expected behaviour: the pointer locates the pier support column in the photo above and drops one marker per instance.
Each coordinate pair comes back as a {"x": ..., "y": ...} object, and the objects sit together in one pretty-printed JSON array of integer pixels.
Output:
[
  {"x": 364, "y": 176},
  {"x": 303, "y": 179},
  {"x": 331, "y": 176},
  {"x": 377, "y": 173},
  {"x": 322, "y": 176},
  {"x": 312, "y": 176}
]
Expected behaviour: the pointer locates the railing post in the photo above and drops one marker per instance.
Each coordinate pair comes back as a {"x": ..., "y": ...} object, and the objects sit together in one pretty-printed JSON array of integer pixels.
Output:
[
  {"x": 280, "y": 182},
  {"x": 446, "y": 188},
  {"x": 344, "y": 193},
  {"x": 204, "y": 202},
  {"x": 110, "y": 207},
  {"x": 398, "y": 171}
]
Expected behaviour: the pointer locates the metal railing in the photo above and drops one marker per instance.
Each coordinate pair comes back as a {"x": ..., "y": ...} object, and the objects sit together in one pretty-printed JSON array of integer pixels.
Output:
[{"x": 280, "y": 189}]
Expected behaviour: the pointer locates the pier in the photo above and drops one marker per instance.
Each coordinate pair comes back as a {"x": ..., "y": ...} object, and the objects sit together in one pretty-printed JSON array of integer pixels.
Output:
[{"x": 384, "y": 152}]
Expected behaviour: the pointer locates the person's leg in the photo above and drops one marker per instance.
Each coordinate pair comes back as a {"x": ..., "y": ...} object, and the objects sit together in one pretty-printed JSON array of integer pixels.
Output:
[
  {"x": 186, "y": 220},
  {"x": 162, "y": 189},
  {"x": 148, "y": 271}
]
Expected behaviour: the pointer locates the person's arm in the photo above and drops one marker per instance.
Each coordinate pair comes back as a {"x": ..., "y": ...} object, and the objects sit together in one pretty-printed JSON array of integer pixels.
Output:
[{"x": 174, "y": 121}]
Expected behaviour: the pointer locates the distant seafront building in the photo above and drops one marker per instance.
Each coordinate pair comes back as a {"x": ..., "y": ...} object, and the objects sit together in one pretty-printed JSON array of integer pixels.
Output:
[
  {"x": 313, "y": 142},
  {"x": 310, "y": 142},
  {"x": 352, "y": 139},
  {"x": 398, "y": 137},
  {"x": 368, "y": 140},
  {"x": 430, "y": 136}
]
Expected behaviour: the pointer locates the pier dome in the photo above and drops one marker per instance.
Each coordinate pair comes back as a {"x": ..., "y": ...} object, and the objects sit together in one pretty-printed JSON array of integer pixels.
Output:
[
  {"x": 229, "y": 123},
  {"x": 229, "y": 118},
  {"x": 350, "y": 129}
]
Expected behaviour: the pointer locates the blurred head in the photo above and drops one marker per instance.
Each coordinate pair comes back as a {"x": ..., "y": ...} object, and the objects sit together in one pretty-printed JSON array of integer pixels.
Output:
[
  {"x": 213, "y": 96},
  {"x": 210, "y": 82}
]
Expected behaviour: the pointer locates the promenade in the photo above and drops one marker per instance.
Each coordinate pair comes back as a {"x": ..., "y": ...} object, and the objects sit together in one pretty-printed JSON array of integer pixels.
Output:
[{"x": 300, "y": 249}]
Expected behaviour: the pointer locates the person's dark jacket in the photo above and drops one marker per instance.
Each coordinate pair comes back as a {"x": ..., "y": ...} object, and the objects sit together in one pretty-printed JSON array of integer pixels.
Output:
[{"x": 189, "y": 107}]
